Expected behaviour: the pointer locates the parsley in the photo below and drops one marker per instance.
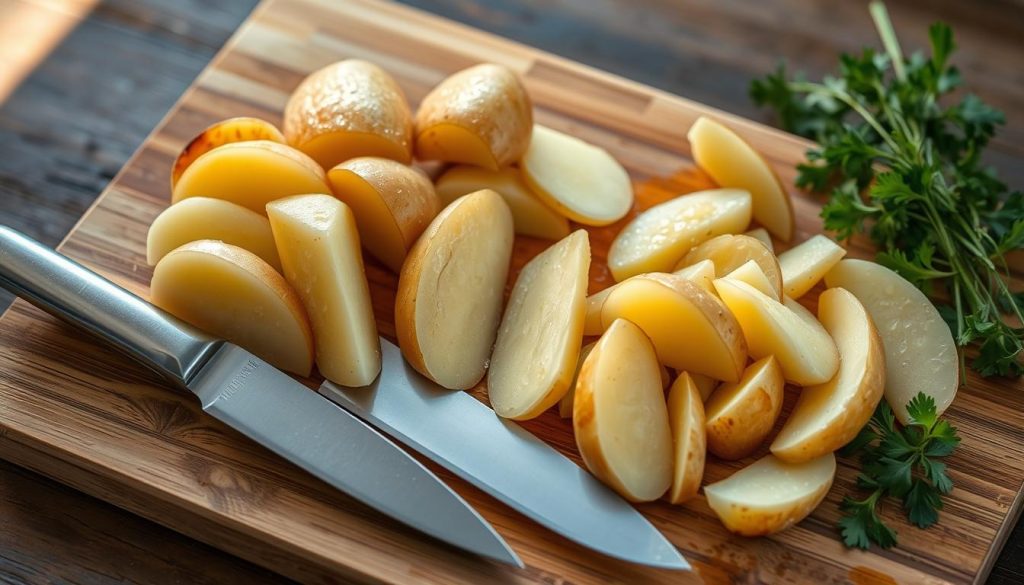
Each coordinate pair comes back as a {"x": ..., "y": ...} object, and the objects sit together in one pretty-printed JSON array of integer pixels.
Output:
[
  {"x": 905, "y": 169},
  {"x": 902, "y": 463}
]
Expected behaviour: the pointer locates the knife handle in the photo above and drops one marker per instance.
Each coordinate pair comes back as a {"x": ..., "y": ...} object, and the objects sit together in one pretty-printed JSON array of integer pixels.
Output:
[{"x": 81, "y": 297}]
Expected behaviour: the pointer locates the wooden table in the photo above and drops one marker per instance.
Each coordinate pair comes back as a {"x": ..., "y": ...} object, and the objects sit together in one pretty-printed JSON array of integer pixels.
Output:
[{"x": 75, "y": 120}]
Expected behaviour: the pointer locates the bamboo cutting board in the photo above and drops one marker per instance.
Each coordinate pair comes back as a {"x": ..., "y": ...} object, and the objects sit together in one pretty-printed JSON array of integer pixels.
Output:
[{"x": 82, "y": 414}]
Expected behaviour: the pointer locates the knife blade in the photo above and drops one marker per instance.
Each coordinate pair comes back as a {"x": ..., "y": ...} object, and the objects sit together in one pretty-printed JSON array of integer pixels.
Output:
[
  {"x": 253, "y": 397},
  {"x": 460, "y": 433}
]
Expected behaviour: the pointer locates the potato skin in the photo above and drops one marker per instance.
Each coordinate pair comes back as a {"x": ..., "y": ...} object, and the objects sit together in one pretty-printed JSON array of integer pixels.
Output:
[{"x": 241, "y": 129}]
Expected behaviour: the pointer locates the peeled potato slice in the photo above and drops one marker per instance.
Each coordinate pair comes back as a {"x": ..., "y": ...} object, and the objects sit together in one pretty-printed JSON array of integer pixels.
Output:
[
  {"x": 231, "y": 293},
  {"x": 828, "y": 416},
  {"x": 227, "y": 131},
  {"x": 319, "y": 246},
  {"x": 752, "y": 274},
  {"x": 657, "y": 238},
  {"x": 729, "y": 252},
  {"x": 620, "y": 418},
  {"x": 732, "y": 162},
  {"x": 202, "y": 218},
  {"x": 582, "y": 181},
  {"x": 393, "y": 204},
  {"x": 920, "y": 355},
  {"x": 762, "y": 236},
  {"x": 531, "y": 216},
  {"x": 805, "y": 264},
  {"x": 251, "y": 174},
  {"x": 541, "y": 333},
  {"x": 741, "y": 414},
  {"x": 686, "y": 419},
  {"x": 479, "y": 116},
  {"x": 770, "y": 495},
  {"x": 348, "y": 109},
  {"x": 450, "y": 291},
  {"x": 804, "y": 349}
]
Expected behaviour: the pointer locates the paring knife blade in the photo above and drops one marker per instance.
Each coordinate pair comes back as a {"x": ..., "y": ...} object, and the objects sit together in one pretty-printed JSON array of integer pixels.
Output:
[{"x": 463, "y": 435}]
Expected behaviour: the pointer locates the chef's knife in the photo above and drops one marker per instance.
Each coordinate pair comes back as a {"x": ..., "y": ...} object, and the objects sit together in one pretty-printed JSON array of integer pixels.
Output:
[
  {"x": 251, "y": 396},
  {"x": 462, "y": 434}
]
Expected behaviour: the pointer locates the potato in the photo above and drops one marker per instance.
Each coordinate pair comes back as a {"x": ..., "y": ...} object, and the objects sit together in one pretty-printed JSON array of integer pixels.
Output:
[
  {"x": 732, "y": 162},
  {"x": 705, "y": 385},
  {"x": 806, "y": 263},
  {"x": 701, "y": 273},
  {"x": 729, "y": 252},
  {"x": 251, "y": 174},
  {"x": 691, "y": 329},
  {"x": 541, "y": 332},
  {"x": 567, "y": 400},
  {"x": 762, "y": 235},
  {"x": 920, "y": 355},
  {"x": 620, "y": 418},
  {"x": 393, "y": 204},
  {"x": 752, "y": 274},
  {"x": 531, "y": 216},
  {"x": 202, "y": 218},
  {"x": 771, "y": 495},
  {"x": 318, "y": 242},
  {"x": 655, "y": 240},
  {"x": 803, "y": 348},
  {"x": 451, "y": 288},
  {"x": 479, "y": 116},
  {"x": 579, "y": 180},
  {"x": 686, "y": 419},
  {"x": 741, "y": 414},
  {"x": 227, "y": 131},
  {"x": 828, "y": 416},
  {"x": 231, "y": 293},
  {"x": 349, "y": 109}
]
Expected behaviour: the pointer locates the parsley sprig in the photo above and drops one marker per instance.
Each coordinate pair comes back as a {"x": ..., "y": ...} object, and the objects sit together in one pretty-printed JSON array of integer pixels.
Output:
[
  {"x": 902, "y": 462},
  {"x": 907, "y": 170}
]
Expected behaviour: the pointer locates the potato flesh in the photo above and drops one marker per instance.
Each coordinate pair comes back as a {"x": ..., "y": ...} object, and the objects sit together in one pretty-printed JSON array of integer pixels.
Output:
[
  {"x": 240, "y": 129},
  {"x": 762, "y": 235},
  {"x": 702, "y": 274},
  {"x": 202, "y": 218},
  {"x": 541, "y": 332},
  {"x": 580, "y": 180},
  {"x": 655, "y": 240},
  {"x": 620, "y": 417},
  {"x": 565, "y": 404},
  {"x": 752, "y": 274},
  {"x": 319, "y": 246},
  {"x": 805, "y": 264},
  {"x": 705, "y": 385},
  {"x": 232, "y": 294},
  {"x": 686, "y": 420},
  {"x": 729, "y": 252},
  {"x": 454, "y": 144},
  {"x": 739, "y": 415},
  {"x": 920, "y": 355}
]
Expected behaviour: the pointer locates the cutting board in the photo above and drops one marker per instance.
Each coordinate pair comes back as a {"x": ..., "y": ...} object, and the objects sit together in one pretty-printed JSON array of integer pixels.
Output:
[{"x": 82, "y": 414}]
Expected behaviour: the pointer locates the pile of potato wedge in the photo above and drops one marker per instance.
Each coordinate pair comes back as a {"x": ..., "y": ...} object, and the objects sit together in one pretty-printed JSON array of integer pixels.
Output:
[{"x": 690, "y": 352}]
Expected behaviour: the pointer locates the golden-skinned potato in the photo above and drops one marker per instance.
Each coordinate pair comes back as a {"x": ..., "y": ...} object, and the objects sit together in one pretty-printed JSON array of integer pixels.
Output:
[
  {"x": 689, "y": 438},
  {"x": 240, "y": 129},
  {"x": 740, "y": 414},
  {"x": 805, "y": 264},
  {"x": 729, "y": 252}
]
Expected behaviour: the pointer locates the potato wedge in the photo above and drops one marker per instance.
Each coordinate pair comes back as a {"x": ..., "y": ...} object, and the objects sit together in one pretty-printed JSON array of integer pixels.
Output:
[
  {"x": 318, "y": 242},
  {"x": 251, "y": 174},
  {"x": 579, "y": 180},
  {"x": 740, "y": 414},
  {"x": 732, "y": 162},
  {"x": 240, "y": 129},
  {"x": 532, "y": 216},
  {"x": 920, "y": 355},
  {"x": 803, "y": 348},
  {"x": 541, "y": 332},
  {"x": 689, "y": 438},
  {"x": 620, "y": 417},
  {"x": 202, "y": 218},
  {"x": 752, "y": 274},
  {"x": 828, "y": 416},
  {"x": 665, "y": 306},
  {"x": 771, "y": 495},
  {"x": 479, "y": 116},
  {"x": 701, "y": 273},
  {"x": 806, "y": 263},
  {"x": 762, "y": 236},
  {"x": 451, "y": 288},
  {"x": 348, "y": 109},
  {"x": 231, "y": 293},
  {"x": 566, "y": 402},
  {"x": 705, "y": 385},
  {"x": 655, "y": 240},
  {"x": 393, "y": 204},
  {"x": 729, "y": 252}
]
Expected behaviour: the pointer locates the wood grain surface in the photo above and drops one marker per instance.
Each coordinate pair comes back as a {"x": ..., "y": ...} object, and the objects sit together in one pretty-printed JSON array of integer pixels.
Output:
[{"x": 83, "y": 415}]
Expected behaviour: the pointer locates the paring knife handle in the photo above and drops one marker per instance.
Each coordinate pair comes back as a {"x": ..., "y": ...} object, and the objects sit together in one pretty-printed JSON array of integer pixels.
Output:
[{"x": 67, "y": 290}]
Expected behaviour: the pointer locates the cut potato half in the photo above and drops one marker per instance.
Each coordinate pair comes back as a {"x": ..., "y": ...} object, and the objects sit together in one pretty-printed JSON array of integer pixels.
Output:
[
  {"x": 232, "y": 294},
  {"x": 240, "y": 129},
  {"x": 762, "y": 236},
  {"x": 740, "y": 414},
  {"x": 655, "y": 240},
  {"x": 319, "y": 245},
  {"x": 620, "y": 417},
  {"x": 920, "y": 355},
  {"x": 565, "y": 404},
  {"x": 729, "y": 252},
  {"x": 752, "y": 274},
  {"x": 450, "y": 291},
  {"x": 806, "y": 263},
  {"x": 686, "y": 419},
  {"x": 771, "y": 495},
  {"x": 732, "y": 162},
  {"x": 541, "y": 332}
]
